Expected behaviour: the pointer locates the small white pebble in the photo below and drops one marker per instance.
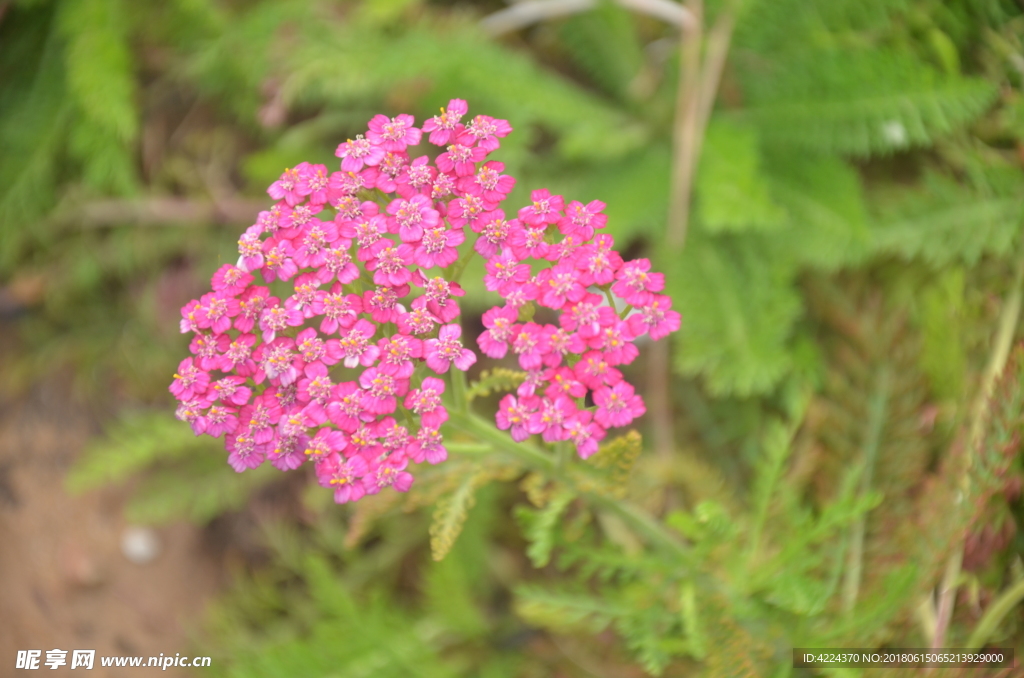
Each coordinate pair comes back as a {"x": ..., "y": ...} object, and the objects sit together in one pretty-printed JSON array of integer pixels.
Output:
[{"x": 140, "y": 545}]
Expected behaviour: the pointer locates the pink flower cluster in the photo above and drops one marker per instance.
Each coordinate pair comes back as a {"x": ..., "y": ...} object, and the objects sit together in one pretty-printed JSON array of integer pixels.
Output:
[
  {"x": 338, "y": 366},
  {"x": 576, "y": 358}
]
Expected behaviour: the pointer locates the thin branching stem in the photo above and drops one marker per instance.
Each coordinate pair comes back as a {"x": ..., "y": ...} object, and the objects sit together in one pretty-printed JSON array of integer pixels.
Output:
[
  {"x": 872, "y": 442},
  {"x": 533, "y": 457},
  {"x": 1007, "y": 327}
]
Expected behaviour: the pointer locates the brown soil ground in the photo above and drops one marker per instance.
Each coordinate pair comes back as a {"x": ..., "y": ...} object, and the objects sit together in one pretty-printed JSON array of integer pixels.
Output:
[{"x": 64, "y": 583}]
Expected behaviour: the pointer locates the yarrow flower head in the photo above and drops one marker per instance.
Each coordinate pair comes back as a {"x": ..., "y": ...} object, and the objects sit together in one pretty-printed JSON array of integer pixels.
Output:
[{"x": 346, "y": 369}]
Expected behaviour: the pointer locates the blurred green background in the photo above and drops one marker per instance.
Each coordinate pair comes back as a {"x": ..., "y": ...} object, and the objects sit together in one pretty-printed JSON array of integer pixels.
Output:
[{"x": 838, "y": 442}]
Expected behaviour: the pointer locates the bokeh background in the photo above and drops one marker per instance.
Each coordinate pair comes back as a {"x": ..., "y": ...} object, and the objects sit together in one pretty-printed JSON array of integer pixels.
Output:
[{"x": 834, "y": 189}]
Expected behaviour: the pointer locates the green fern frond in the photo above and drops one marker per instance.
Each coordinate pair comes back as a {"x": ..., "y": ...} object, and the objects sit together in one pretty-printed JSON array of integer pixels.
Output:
[
  {"x": 539, "y": 526},
  {"x": 198, "y": 491},
  {"x": 565, "y": 611},
  {"x": 133, "y": 445},
  {"x": 454, "y": 59},
  {"x": 498, "y": 379},
  {"x": 861, "y": 102},
  {"x": 732, "y": 190},
  {"x": 828, "y": 225},
  {"x": 603, "y": 42},
  {"x": 102, "y": 85},
  {"x": 945, "y": 223},
  {"x": 450, "y": 515},
  {"x": 738, "y": 309}
]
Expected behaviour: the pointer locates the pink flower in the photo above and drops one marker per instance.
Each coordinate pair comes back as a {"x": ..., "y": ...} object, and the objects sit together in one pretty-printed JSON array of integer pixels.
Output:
[
  {"x": 531, "y": 342},
  {"x": 245, "y": 452},
  {"x": 382, "y": 303},
  {"x": 616, "y": 341},
  {"x": 338, "y": 265},
  {"x": 562, "y": 382},
  {"x": 313, "y": 182},
  {"x": 558, "y": 285},
  {"x": 230, "y": 280},
  {"x": 527, "y": 242},
  {"x": 516, "y": 414},
  {"x": 306, "y": 287},
  {"x": 278, "y": 262},
  {"x": 581, "y": 219},
  {"x": 287, "y": 451},
  {"x": 500, "y": 324},
  {"x": 314, "y": 243},
  {"x": 438, "y": 296},
  {"x": 460, "y": 159},
  {"x": 345, "y": 408},
  {"x": 286, "y": 187},
  {"x": 544, "y": 210},
  {"x": 635, "y": 284},
  {"x": 315, "y": 390},
  {"x": 397, "y": 354},
  {"x": 231, "y": 391},
  {"x": 277, "y": 361},
  {"x": 189, "y": 381},
  {"x": 339, "y": 310},
  {"x": 447, "y": 349},
  {"x": 468, "y": 210},
  {"x": 207, "y": 348},
  {"x": 344, "y": 477},
  {"x": 411, "y": 216},
  {"x": 428, "y": 446},
  {"x": 444, "y": 127},
  {"x": 265, "y": 386},
  {"x": 276, "y": 318},
  {"x": 393, "y": 134},
  {"x": 326, "y": 443},
  {"x": 250, "y": 306},
  {"x": 426, "y": 402},
  {"x": 486, "y": 131},
  {"x": 220, "y": 420},
  {"x": 388, "y": 472},
  {"x": 582, "y": 431},
  {"x": 356, "y": 347},
  {"x": 357, "y": 152},
  {"x": 655, "y": 317},
  {"x": 563, "y": 343},
  {"x": 617, "y": 405},
  {"x": 488, "y": 183},
  {"x": 549, "y": 420},
  {"x": 494, "y": 230},
  {"x": 438, "y": 247},
  {"x": 505, "y": 273},
  {"x": 417, "y": 321},
  {"x": 594, "y": 371},
  {"x": 390, "y": 264},
  {"x": 598, "y": 262},
  {"x": 416, "y": 178},
  {"x": 250, "y": 249},
  {"x": 237, "y": 357}
]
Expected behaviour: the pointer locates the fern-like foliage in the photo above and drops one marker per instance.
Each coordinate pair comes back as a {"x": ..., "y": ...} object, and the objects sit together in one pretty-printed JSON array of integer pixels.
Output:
[
  {"x": 185, "y": 475},
  {"x": 739, "y": 309},
  {"x": 944, "y": 222},
  {"x": 862, "y": 102}
]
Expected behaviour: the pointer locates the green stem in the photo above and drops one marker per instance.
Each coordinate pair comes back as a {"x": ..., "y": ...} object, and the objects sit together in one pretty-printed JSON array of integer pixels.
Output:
[
  {"x": 459, "y": 266},
  {"x": 876, "y": 421},
  {"x": 531, "y": 456},
  {"x": 1008, "y": 320},
  {"x": 458, "y": 379},
  {"x": 994, "y": 614}
]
